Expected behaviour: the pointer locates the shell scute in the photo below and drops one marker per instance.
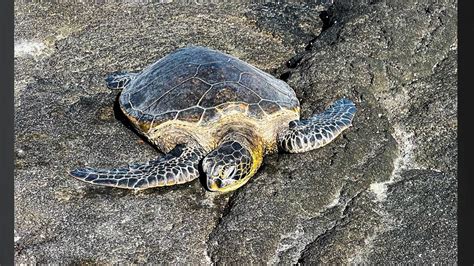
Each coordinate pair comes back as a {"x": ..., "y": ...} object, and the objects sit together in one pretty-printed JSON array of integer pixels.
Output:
[
  {"x": 193, "y": 114},
  {"x": 255, "y": 111},
  {"x": 180, "y": 97},
  {"x": 218, "y": 72},
  {"x": 269, "y": 106},
  {"x": 228, "y": 92},
  {"x": 210, "y": 115}
]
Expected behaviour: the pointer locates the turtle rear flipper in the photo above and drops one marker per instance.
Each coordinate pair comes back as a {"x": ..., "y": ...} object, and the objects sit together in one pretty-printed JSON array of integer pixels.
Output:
[
  {"x": 119, "y": 80},
  {"x": 178, "y": 166},
  {"x": 319, "y": 130}
]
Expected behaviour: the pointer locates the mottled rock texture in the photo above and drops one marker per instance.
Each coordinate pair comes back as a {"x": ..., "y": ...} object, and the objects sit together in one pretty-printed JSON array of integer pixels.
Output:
[{"x": 384, "y": 191}]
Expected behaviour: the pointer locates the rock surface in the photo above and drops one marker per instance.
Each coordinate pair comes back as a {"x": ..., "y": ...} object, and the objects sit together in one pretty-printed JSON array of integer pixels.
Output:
[{"x": 385, "y": 191}]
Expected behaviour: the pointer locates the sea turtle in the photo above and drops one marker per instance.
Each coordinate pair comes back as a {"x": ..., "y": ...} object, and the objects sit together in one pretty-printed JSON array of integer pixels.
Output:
[{"x": 212, "y": 113}]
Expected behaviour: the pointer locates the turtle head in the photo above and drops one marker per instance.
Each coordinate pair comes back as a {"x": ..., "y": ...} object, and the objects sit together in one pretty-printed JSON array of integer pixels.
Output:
[{"x": 228, "y": 167}]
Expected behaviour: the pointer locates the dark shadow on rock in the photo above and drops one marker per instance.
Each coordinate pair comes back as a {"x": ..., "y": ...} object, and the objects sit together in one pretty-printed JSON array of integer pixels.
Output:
[
  {"x": 120, "y": 116},
  {"x": 93, "y": 191},
  {"x": 202, "y": 177}
]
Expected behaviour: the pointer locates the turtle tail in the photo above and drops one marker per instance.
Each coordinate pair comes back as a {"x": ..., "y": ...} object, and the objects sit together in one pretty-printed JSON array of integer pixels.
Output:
[
  {"x": 119, "y": 80},
  {"x": 179, "y": 166}
]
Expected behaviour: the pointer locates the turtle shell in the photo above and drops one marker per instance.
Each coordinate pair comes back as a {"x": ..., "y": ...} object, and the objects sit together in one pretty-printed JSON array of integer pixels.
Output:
[{"x": 201, "y": 85}]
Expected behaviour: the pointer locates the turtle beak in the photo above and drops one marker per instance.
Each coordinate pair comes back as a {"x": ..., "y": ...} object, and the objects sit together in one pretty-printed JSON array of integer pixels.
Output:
[
  {"x": 212, "y": 185},
  {"x": 217, "y": 178}
]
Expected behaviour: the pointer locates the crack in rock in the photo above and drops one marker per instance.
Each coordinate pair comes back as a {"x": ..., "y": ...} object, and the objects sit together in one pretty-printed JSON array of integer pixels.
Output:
[
  {"x": 342, "y": 209},
  {"x": 293, "y": 242}
]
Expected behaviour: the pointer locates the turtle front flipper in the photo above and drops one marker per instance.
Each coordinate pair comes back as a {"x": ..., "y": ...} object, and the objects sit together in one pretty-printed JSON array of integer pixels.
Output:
[
  {"x": 119, "y": 80},
  {"x": 319, "y": 130},
  {"x": 178, "y": 166}
]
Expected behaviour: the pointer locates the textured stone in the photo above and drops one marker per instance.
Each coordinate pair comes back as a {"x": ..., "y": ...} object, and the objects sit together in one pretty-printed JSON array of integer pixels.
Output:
[{"x": 422, "y": 222}]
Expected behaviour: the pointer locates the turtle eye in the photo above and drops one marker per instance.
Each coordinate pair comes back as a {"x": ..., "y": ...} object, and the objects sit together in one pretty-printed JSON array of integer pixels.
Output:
[{"x": 292, "y": 124}]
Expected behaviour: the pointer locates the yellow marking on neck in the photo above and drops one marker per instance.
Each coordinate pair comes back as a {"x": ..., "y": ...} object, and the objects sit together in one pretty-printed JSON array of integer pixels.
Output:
[
  {"x": 214, "y": 187},
  {"x": 257, "y": 153}
]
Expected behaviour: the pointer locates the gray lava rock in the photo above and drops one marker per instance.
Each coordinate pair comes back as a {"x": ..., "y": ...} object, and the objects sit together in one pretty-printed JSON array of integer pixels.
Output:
[
  {"x": 384, "y": 191},
  {"x": 295, "y": 24},
  {"x": 422, "y": 208}
]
